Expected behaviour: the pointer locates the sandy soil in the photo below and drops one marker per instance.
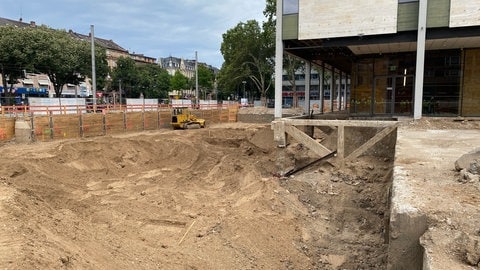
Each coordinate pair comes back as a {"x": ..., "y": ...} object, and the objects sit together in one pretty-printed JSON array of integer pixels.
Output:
[
  {"x": 196, "y": 199},
  {"x": 209, "y": 199},
  {"x": 426, "y": 154}
]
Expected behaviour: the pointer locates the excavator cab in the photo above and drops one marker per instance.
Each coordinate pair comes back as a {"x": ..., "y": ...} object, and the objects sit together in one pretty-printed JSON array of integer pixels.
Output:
[{"x": 182, "y": 118}]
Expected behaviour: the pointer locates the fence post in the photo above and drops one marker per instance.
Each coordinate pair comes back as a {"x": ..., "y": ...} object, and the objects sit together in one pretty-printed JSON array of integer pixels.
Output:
[
  {"x": 104, "y": 123},
  {"x": 80, "y": 121},
  {"x": 124, "y": 120},
  {"x": 50, "y": 120},
  {"x": 32, "y": 128}
]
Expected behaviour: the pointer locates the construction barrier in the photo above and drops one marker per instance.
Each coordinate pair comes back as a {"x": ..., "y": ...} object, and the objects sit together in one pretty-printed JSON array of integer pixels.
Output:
[
  {"x": 7, "y": 128},
  {"x": 55, "y": 123}
]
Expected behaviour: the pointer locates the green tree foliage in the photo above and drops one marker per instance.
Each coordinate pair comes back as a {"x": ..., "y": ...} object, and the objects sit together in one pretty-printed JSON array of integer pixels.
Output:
[
  {"x": 135, "y": 80},
  {"x": 14, "y": 54},
  {"x": 154, "y": 81},
  {"x": 179, "y": 81},
  {"x": 248, "y": 51},
  {"x": 291, "y": 64},
  {"x": 270, "y": 10},
  {"x": 206, "y": 79},
  {"x": 56, "y": 53},
  {"x": 127, "y": 76}
]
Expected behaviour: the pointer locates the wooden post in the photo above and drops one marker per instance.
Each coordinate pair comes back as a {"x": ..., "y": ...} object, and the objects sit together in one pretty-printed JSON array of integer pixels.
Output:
[{"x": 341, "y": 142}]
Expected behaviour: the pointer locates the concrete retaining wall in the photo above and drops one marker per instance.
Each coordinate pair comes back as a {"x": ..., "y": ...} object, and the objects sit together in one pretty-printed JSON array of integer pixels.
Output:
[{"x": 407, "y": 225}]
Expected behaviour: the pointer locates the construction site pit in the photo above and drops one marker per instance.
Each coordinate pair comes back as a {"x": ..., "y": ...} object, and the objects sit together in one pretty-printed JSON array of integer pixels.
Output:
[{"x": 213, "y": 198}]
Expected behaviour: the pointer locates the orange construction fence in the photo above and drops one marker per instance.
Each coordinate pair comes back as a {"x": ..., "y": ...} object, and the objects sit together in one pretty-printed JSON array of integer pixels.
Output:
[{"x": 63, "y": 122}]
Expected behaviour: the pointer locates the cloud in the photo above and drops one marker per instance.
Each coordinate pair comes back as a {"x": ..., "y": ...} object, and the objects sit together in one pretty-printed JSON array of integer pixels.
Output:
[{"x": 154, "y": 28}]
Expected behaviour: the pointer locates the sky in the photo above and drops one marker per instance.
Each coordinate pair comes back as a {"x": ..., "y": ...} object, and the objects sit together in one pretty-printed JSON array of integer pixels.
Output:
[{"x": 155, "y": 28}]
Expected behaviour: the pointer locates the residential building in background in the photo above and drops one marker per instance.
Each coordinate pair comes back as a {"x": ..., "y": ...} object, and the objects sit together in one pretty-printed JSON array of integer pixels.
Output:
[
  {"x": 402, "y": 58},
  {"x": 113, "y": 50},
  {"x": 40, "y": 85},
  {"x": 174, "y": 64},
  {"x": 184, "y": 66}
]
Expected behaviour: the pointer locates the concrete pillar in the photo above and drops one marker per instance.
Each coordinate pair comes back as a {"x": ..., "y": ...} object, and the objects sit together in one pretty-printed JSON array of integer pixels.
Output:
[
  {"x": 279, "y": 60},
  {"x": 23, "y": 131},
  {"x": 339, "y": 97},
  {"x": 347, "y": 89},
  {"x": 279, "y": 134},
  {"x": 322, "y": 91},
  {"x": 308, "y": 74},
  {"x": 332, "y": 88},
  {"x": 420, "y": 65}
]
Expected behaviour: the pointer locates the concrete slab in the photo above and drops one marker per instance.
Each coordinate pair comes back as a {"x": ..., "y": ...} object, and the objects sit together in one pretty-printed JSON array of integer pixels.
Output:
[{"x": 427, "y": 197}]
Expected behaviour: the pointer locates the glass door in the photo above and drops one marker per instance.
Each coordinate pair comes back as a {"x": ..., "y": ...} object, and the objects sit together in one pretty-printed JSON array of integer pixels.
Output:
[
  {"x": 403, "y": 95},
  {"x": 393, "y": 95}
]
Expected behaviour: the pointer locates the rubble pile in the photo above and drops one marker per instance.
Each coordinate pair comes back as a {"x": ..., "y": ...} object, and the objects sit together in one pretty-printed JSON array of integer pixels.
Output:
[{"x": 469, "y": 167}]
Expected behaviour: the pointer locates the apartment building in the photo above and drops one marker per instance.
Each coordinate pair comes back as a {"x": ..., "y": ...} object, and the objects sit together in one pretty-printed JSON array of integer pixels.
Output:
[
  {"x": 113, "y": 50},
  {"x": 30, "y": 86},
  {"x": 400, "y": 57},
  {"x": 185, "y": 66},
  {"x": 174, "y": 64}
]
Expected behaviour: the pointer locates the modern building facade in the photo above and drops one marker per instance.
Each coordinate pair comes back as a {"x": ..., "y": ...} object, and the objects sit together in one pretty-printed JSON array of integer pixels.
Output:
[{"x": 400, "y": 57}]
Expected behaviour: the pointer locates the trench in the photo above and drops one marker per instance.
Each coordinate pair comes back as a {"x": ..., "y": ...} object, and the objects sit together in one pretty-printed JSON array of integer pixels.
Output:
[{"x": 363, "y": 223}]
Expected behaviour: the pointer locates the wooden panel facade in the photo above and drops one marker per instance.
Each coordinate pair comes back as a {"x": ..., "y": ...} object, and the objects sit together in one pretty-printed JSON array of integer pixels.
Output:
[
  {"x": 407, "y": 16},
  {"x": 290, "y": 27},
  {"x": 471, "y": 83},
  {"x": 438, "y": 15}
]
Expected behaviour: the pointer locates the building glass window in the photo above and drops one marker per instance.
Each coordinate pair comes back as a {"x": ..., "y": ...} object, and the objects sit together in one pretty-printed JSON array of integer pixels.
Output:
[
  {"x": 290, "y": 6},
  {"x": 441, "y": 90}
]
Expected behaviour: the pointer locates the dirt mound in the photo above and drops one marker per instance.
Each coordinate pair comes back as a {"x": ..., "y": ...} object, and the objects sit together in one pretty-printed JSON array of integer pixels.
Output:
[{"x": 193, "y": 199}]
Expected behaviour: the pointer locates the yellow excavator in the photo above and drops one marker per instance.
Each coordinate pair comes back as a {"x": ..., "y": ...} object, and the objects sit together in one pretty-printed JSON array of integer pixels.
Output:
[{"x": 182, "y": 118}]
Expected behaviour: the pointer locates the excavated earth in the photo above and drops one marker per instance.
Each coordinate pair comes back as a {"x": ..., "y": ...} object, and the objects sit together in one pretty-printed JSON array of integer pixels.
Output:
[{"x": 210, "y": 198}]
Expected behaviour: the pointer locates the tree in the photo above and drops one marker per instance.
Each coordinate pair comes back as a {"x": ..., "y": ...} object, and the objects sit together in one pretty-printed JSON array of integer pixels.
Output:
[
  {"x": 53, "y": 52},
  {"x": 248, "y": 52},
  {"x": 101, "y": 67},
  {"x": 64, "y": 58},
  {"x": 149, "y": 80},
  {"x": 179, "y": 81},
  {"x": 127, "y": 75},
  {"x": 154, "y": 81},
  {"x": 291, "y": 64},
  {"x": 14, "y": 55},
  {"x": 206, "y": 78}
]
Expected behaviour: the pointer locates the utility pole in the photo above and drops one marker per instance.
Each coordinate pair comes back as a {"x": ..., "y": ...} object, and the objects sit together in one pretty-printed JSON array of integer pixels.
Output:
[
  {"x": 196, "y": 79},
  {"x": 120, "y": 92},
  {"x": 94, "y": 75}
]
